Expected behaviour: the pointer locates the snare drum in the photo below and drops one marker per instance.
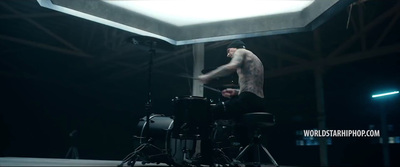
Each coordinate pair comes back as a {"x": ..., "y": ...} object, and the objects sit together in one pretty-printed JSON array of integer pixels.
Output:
[{"x": 192, "y": 117}]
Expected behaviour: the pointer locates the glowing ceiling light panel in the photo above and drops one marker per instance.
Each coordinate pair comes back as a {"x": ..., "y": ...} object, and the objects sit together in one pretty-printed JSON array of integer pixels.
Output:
[
  {"x": 190, "y": 12},
  {"x": 181, "y": 22}
]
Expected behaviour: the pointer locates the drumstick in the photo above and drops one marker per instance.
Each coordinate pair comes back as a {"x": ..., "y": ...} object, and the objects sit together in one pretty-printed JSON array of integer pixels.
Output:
[
  {"x": 188, "y": 76},
  {"x": 211, "y": 88},
  {"x": 196, "y": 78}
]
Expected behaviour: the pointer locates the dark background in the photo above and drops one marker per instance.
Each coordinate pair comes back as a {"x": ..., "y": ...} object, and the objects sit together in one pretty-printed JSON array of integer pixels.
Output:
[{"x": 46, "y": 91}]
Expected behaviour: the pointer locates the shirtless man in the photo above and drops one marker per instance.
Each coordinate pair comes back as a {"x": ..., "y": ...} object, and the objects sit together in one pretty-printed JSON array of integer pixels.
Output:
[{"x": 250, "y": 96}]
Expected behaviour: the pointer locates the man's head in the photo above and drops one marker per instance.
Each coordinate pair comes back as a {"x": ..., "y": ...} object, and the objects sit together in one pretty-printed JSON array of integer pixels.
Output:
[{"x": 233, "y": 46}]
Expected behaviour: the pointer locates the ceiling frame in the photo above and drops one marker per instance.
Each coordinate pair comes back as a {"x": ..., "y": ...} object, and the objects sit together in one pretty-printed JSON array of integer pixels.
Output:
[{"x": 98, "y": 11}]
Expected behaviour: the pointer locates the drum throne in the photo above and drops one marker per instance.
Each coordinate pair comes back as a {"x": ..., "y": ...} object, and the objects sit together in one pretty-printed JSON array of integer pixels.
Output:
[{"x": 256, "y": 123}]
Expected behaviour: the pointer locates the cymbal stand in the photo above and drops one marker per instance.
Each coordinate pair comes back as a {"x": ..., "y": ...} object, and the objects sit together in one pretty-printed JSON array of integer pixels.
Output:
[{"x": 138, "y": 153}]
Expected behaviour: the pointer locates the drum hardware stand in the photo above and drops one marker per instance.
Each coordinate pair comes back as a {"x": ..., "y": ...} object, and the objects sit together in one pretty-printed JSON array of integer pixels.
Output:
[
  {"x": 185, "y": 156},
  {"x": 189, "y": 153},
  {"x": 132, "y": 157},
  {"x": 221, "y": 157},
  {"x": 73, "y": 150},
  {"x": 255, "y": 143}
]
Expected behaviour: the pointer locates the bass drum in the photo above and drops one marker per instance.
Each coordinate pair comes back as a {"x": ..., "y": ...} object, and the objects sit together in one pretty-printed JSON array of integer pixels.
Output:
[{"x": 159, "y": 135}]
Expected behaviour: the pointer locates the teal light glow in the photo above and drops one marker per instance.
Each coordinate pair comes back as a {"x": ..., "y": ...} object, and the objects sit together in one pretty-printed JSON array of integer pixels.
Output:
[{"x": 385, "y": 94}]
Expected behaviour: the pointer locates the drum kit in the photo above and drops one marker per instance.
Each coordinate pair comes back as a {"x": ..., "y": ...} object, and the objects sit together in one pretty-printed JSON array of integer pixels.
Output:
[{"x": 190, "y": 137}]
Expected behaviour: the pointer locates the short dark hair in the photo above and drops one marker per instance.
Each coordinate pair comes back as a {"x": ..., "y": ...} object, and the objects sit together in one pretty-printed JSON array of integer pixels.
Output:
[{"x": 236, "y": 44}]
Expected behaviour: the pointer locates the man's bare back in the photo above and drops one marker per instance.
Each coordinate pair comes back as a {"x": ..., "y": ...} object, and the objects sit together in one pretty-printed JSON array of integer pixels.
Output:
[
  {"x": 251, "y": 73},
  {"x": 248, "y": 67}
]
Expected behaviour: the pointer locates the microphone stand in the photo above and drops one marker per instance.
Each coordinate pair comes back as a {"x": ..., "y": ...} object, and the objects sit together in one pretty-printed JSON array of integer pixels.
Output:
[
  {"x": 148, "y": 105},
  {"x": 139, "y": 152}
]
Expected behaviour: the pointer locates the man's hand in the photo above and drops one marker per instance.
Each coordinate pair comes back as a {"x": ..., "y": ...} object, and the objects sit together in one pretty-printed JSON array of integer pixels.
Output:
[{"x": 229, "y": 92}]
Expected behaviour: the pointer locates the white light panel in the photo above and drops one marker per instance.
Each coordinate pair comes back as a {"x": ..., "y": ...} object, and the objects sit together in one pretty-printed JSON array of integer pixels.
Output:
[{"x": 190, "y": 12}]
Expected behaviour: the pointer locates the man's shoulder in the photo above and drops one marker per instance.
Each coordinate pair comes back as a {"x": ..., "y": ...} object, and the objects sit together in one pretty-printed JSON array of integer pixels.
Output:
[{"x": 244, "y": 52}]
